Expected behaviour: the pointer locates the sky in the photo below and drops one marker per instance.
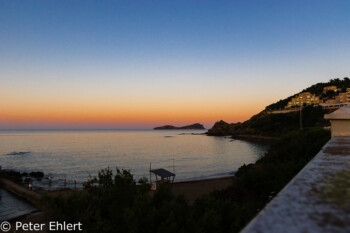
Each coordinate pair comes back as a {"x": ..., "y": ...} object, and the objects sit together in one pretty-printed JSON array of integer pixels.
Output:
[{"x": 141, "y": 64}]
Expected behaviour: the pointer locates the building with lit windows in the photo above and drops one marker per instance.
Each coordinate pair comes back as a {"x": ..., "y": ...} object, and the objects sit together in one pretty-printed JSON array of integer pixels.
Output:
[
  {"x": 311, "y": 99},
  {"x": 303, "y": 98}
]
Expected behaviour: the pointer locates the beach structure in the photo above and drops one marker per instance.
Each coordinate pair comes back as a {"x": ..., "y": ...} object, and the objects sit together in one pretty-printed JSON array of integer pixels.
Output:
[{"x": 164, "y": 175}]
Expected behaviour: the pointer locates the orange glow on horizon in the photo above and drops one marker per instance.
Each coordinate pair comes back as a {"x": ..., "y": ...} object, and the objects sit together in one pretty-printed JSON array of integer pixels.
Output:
[
  {"x": 126, "y": 115},
  {"x": 115, "y": 111}
]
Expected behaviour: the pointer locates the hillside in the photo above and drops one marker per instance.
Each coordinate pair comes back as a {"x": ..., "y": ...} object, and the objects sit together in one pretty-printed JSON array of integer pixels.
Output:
[
  {"x": 314, "y": 89},
  {"x": 272, "y": 125},
  {"x": 275, "y": 125}
]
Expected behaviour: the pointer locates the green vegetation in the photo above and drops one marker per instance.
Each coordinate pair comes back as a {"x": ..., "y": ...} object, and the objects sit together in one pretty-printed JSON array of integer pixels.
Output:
[
  {"x": 255, "y": 184},
  {"x": 276, "y": 125},
  {"x": 273, "y": 125},
  {"x": 339, "y": 83},
  {"x": 328, "y": 95},
  {"x": 114, "y": 203}
]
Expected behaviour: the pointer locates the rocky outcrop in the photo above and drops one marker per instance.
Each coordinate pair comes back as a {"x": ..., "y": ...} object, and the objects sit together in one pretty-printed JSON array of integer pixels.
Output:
[
  {"x": 19, "y": 153},
  {"x": 194, "y": 126},
  {"x": 221, "y": 128},
  {"x": 16, "y": 176},
  {"x": 36, "y": 174}
]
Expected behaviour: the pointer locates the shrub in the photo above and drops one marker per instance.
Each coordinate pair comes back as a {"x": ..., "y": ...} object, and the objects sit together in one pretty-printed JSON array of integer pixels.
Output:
[{"x": 115, "y": 203}]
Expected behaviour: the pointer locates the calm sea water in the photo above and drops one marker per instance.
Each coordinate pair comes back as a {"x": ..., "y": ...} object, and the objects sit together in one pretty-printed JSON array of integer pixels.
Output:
[
  {"x": 78, "y": 154},
  {"x": 12, "y": 207}
]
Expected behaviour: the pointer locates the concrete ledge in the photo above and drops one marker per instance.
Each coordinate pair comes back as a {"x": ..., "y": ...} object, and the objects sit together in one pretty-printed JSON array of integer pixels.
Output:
[
  {"x": 316, "y": 200},
  {"x": 342, "y": 113},
  {"x": 20, "y": 191}
]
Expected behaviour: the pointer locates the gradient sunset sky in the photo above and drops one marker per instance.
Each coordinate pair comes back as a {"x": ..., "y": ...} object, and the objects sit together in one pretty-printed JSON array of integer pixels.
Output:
[{"x": 141, "y": 64}]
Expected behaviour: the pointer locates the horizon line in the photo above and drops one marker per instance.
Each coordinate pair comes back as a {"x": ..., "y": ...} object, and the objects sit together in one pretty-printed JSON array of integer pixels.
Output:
[{"x": 93, "y": 129}]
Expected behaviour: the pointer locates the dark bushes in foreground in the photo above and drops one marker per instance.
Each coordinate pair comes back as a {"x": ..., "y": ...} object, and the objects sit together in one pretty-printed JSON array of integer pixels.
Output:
[{"x": 114, "y": 203}]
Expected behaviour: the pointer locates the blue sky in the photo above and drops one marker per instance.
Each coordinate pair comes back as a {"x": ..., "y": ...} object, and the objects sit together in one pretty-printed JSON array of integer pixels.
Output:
[{"x": 156, "y": 53}]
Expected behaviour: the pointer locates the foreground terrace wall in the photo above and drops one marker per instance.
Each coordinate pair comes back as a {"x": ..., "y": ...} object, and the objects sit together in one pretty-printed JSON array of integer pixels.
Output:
[{"x": 318, "y": 198}]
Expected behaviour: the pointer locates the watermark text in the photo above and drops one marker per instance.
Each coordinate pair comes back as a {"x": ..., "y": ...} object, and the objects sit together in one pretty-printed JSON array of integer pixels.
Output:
[{"x": 51, "y": 226}]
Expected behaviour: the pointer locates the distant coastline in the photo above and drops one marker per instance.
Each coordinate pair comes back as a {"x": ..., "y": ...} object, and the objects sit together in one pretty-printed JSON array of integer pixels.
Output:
[{"x": 193, "y": 126}]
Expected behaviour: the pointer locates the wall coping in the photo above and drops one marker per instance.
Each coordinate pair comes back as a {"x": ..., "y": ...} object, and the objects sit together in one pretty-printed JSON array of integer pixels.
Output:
[
  {"x": 341, "y": 114},
  {"x": 307, "y": 203}
]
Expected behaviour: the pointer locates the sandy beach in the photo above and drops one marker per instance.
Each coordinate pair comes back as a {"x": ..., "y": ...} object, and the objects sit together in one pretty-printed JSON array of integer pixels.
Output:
[{"x": 194, "y": 189}]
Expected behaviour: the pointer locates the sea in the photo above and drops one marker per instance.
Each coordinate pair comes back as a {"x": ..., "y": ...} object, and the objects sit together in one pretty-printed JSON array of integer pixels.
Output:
[
  {"x": 12, "y": 207},
  {"x": 76, "y": 155}
]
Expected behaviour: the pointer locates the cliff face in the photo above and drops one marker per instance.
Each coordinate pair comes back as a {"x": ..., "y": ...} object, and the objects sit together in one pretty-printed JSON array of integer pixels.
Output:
[{"x": 194, "y": 126}]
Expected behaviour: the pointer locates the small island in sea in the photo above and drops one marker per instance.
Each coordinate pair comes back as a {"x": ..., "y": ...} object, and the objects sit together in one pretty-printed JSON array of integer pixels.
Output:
[{"x": 193, "y": 126}]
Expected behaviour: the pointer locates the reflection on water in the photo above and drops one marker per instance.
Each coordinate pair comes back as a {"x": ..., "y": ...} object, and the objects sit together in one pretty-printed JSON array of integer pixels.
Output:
[
  {"x": 12, "y": 207},
  {"x": 78, "y": 154}
]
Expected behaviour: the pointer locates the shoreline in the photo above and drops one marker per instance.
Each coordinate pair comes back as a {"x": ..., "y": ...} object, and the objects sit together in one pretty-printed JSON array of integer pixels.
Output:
[
  {"x": 33, "y": 197},
  {"x": 194, "y": 180},
  {"x": 254, "y": 138},
  {"x": 16, "y": 177}
]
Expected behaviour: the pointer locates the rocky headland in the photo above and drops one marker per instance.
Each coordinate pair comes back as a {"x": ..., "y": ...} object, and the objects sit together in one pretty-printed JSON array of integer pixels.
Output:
[{"x": 193, "y": 126}]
